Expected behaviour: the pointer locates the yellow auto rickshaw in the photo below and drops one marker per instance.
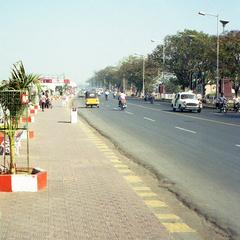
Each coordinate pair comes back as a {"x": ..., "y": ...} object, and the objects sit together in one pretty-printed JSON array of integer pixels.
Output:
[{"x": 91, "y": 99}]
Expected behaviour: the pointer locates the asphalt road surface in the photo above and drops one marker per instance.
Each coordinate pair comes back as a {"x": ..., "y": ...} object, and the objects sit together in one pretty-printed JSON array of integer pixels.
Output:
[{"x": 197, "y": 154}]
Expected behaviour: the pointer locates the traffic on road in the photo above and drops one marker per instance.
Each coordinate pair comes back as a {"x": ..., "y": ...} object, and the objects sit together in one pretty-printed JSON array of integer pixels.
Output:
[{"x": 197, "y": 154}]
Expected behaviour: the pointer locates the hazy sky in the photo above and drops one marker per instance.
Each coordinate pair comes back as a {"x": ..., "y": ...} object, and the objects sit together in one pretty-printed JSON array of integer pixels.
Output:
[{"x": 78, "y": 37}]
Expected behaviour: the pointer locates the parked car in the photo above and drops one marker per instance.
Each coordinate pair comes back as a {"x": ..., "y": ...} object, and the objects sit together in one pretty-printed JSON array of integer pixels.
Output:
[{"x": 186, "y": 101}]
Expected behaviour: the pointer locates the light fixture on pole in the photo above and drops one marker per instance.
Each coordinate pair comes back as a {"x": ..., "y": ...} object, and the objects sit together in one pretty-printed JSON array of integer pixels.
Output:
[{"x": 224, "y": 23}]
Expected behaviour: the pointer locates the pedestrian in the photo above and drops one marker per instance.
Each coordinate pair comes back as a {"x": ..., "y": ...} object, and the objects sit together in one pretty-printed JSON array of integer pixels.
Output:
[
  {"x": 106, "y": 94},
  {"x": 43, "y": 101}
]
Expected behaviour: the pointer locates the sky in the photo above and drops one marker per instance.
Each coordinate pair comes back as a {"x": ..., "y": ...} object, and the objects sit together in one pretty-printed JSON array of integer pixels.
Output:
[{"x": 75, "y": 38}]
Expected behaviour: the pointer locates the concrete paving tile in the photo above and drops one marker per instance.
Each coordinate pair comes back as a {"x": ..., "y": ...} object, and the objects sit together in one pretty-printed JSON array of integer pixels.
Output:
[{"x": 86, "y": 197}]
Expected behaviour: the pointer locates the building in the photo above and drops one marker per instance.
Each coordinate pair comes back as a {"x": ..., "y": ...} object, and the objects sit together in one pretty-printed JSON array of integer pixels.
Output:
[{"x": 55, "y": 84}]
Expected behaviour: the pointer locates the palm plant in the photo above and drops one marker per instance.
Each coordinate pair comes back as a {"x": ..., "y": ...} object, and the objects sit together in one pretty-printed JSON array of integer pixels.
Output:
[{"x": 11, "y": 93}]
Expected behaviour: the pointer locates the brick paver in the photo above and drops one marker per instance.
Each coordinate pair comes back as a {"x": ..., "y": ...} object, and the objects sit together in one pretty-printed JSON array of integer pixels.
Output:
[{"x": 86, "y": 197}]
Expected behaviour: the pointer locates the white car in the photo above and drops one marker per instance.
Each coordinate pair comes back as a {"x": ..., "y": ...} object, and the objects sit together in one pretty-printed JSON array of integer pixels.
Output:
[{"x": 186, "y": 101}]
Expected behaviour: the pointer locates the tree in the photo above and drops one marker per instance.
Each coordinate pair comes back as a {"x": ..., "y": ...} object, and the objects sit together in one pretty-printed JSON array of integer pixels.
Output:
[
  {"x": 188, "y": 55},
  {"x": 230, "y": 58},
  {"x": 12, "y": 92}
]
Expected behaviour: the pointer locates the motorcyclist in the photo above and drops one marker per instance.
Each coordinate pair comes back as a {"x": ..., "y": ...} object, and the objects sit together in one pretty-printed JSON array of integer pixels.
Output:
[
  {"x": 222, "y": 101},
  {"x": 114, "y": 94},
  {"x": 151, "y": 98},
  {"x": 122, "y": 100},
  {"x": 236, "y": 104}
]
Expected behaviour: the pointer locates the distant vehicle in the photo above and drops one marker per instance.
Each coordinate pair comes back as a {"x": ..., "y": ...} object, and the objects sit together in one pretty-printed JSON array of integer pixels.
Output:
[
  {"x": 91, "y": 99},
  {"x": 186, "y": 101},
  {"x": 81, "y": 94},
  {"x": 209, "y": 99},
  {"x": 100, "y": 91}
]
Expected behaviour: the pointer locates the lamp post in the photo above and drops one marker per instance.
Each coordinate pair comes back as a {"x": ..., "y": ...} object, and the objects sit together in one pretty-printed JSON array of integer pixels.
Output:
[
  {"x": 143, "y": 74},
  {"x": 217, "y": 73},
  {"x": 223, "y": 23}
]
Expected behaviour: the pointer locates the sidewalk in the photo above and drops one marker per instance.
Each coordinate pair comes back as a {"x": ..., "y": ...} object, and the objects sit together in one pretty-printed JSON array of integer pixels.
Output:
[{"x": 90, "y": 193}]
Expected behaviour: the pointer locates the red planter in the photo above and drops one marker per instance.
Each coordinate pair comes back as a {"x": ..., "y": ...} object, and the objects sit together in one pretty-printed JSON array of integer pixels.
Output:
[
  {"x": 33, "y": 111},
  {"x": 37, "y": 107},
  {"x": 23, "y": 182},
  {"x": 28, "y": 119}
]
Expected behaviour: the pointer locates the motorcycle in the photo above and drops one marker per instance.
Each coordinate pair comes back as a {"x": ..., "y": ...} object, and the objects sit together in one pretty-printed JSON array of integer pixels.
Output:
[
  {"x": 122, "y": 104},
  {"x": 237, "y": 106},
  {"x": 149, "y": 97},
  {"x": 222, "y": 106}
]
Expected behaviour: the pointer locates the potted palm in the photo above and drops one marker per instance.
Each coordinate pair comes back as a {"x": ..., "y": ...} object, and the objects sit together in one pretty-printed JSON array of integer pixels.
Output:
[{"x": 14, "y": 99}]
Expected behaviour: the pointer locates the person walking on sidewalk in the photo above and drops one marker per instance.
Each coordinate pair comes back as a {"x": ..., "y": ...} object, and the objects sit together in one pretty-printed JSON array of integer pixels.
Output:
[{"x": 43, "y": 101}]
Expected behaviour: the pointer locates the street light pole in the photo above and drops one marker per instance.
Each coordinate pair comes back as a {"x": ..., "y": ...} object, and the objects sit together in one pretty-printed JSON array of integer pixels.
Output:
[
  {"x": 224, "y": 23},
  {"x": 217, "y": 85},
  {"x": 143, "y": 77},
  {"x": 217, "y": 73}
]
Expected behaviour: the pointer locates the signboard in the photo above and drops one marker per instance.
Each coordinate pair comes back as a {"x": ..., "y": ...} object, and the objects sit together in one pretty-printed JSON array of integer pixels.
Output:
[{"x": 66, "y": 81}]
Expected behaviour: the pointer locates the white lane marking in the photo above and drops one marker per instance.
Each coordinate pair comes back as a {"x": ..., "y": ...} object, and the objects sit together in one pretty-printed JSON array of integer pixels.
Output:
[
  {"x": 149, "y": 119},
  {"x": 237, "y": 145},
  {"x": 129, "y": 112},
  {"x": 186, "y": 115},
  {"x": 186, "y": 130}
]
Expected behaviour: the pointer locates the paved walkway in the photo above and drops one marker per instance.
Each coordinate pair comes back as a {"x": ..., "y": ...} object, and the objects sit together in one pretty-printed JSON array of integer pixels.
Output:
[{"x": 91, "y": 194}]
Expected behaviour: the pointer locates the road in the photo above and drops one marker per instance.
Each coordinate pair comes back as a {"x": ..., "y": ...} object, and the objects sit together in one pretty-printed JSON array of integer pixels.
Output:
[{"x": 196, "y": 155}]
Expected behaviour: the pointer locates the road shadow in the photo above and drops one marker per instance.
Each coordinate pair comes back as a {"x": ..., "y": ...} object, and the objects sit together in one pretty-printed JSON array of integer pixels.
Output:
[{"x": 228, "y": 115}]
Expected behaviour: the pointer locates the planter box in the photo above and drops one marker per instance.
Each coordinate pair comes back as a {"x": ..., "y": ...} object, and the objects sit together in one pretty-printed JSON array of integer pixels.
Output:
[
  {"x": 27, "y": 119},
  {"x": 36, "y": 107},
  {"x": 32, "y": 111},
  {"x": 31, "y": 134},
  {"x": 23, "y": 182}
]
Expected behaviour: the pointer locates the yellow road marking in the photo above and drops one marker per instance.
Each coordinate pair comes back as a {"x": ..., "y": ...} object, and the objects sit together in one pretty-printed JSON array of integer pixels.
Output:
[
  {"x": 142, "y": 188},
  {"x": 155, "y": 203},
  {"x": 178, "y": 227},
  {"x": 103, "y": 147},
  {"x": 115, "y": 160},
  {"x": 120, "y": 166},
  {"x": 112, "y": 155},
  {"x": 143, "y": 191},
  {"x": 93, "y": 138},
  {"x": 125, "y": 171},
  {"x": 133, "y": 179},
  {"x": 105, "y": 150},
  {"x": 147, "y": 194},
  {"x": 167, "y": 216}
]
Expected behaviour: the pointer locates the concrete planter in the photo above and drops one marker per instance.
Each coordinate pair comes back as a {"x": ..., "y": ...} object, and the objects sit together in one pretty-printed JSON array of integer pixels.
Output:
[
  {"x": 37, "y": 107},
  {"x": 24, "y": 182},
  {"x": 29, "y": 119},
  {"x": 32, "y": 111}
]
